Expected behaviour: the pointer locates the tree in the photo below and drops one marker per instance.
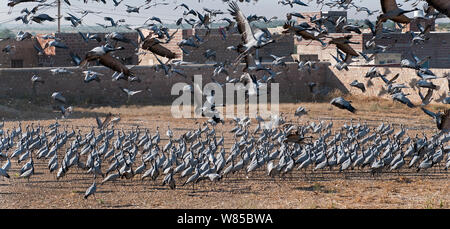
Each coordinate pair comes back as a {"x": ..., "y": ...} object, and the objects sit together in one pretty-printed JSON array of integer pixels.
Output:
[{"x": 6, "y": 33}]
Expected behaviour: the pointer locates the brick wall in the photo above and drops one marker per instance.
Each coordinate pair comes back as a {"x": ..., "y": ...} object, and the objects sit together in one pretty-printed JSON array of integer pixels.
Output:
[
  {"x": 292, "y": 84},
  {"x": 331, "y": 15},
  {"x": 308, "y": 47},
  {"x": 213, "y": 41},
  {"x": 21, "y": 50},
  {"x": 406, "y": 75},
  {"x": 284, "y": 46},
  {"x": 436, "y": 47}
]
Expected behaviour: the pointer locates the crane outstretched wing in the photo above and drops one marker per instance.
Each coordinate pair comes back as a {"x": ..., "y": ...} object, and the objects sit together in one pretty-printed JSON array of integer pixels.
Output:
[
  {"x": 99, "y": 122},
  {"x": 243, "y": 26},
  {"x": 153, "y": 45},
  {"x": 388, "y": 5},
  {"x": 114, "y": 64},
  {"x": 443, "y": 6},
  {"x": 431, "y": 114},
  {"x": 445, "y": 121}
]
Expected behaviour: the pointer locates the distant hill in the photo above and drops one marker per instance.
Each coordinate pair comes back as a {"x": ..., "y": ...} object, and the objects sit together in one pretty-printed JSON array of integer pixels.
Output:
[
  {"x": 444, "y": 26},
  {"x": 87, "y": 28}
]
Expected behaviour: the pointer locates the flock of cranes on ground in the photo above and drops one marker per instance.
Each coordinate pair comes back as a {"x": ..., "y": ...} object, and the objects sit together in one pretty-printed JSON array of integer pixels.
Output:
[
  {"x": 200, "y": 154},
  {"x": 274, "y": 147}
]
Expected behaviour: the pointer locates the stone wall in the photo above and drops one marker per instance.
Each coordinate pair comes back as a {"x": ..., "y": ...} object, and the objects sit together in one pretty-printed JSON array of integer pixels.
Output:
[
  {"x": 16, "y": 84},
  {"x": 406, "y": 75},
  {"x": 156, "y": 86},
  {"x": 436, "y": 47}
]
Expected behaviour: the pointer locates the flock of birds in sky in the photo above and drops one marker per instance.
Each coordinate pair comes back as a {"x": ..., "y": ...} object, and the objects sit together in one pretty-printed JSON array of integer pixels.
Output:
[{"x": 199, "y": 155}]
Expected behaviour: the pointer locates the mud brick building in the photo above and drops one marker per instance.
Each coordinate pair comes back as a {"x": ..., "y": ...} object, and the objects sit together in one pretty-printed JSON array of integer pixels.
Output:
[
  {"x": 284, "y": 46},
  {"x": 399, "y": 43},
  {"x": 436, "y": 46},
  {"x": 329, "y": 24},
  {"x": 57, "y": 57},
  {"x": 22, "y": 54}
]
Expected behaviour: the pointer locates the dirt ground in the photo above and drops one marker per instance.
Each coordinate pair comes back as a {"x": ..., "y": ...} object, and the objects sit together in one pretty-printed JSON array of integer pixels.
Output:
[{"x": 319, "y": 189}]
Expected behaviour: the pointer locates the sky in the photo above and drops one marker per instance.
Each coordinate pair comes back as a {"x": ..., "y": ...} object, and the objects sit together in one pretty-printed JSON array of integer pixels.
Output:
[{"x": 167, "y": 14}]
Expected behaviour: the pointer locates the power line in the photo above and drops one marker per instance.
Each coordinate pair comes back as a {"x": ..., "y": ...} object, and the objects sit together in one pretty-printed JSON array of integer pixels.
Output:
[
  {"x": 59, "y": 16},
  {"x": 110, "y": 11},
  {"x": 106, "y": 11},
  {"x": 6, "y": 21}
]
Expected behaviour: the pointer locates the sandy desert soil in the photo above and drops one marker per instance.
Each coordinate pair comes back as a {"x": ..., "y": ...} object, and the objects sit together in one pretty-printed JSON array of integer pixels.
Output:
[{"x": 320, "y": 189}]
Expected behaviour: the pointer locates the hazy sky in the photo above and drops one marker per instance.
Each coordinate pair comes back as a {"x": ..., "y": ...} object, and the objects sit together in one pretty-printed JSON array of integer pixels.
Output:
[{"x": 167, "y": 13}]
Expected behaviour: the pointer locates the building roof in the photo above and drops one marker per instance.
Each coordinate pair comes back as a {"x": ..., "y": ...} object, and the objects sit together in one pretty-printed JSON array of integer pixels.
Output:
[{"x": 50, "y": 51}]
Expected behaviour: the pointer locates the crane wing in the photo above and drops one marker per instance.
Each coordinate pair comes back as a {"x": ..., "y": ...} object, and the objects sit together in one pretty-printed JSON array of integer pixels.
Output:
[
  {"x": 347, "y": 49},
  {"x": 445, "y": 125},
  {"x": 99, "y": 122},
  {"x": 114, "y": 64},
  {"x": 243, "y": 25},
  {"x": 107, "y": 120},
  {"x": 443, "y": 6},
  {"x": 394, "y": 78},
  {"x": 431, "y": 114},
  {"x": 153, "y": 45},
  {"x": 388, "y": 5},
  {"x": 427, "y": 99}
]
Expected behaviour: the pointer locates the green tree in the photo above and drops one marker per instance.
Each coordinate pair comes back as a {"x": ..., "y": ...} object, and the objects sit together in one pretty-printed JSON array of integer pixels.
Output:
[{"x": 6, "y": 33}]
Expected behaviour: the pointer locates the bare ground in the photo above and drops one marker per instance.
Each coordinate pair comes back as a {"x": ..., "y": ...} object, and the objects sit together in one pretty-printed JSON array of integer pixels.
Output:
[{"x": 323, "y": 189}]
